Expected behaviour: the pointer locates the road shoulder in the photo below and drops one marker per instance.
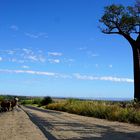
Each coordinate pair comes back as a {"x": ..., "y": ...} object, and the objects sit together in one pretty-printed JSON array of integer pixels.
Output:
[{"x": 16, "y": 125}]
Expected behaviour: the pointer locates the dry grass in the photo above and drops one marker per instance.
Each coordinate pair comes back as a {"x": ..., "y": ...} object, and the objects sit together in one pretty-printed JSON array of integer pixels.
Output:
[{"x": 116, "y": 111}]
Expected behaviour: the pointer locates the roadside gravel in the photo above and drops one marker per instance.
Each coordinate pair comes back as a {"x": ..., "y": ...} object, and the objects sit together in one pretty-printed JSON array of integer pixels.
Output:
[{"x": 16, "y": 125}]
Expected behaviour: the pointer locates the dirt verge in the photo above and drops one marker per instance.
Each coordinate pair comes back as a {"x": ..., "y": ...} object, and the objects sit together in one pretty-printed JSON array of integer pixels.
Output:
[{"x": 16, "y": 125}]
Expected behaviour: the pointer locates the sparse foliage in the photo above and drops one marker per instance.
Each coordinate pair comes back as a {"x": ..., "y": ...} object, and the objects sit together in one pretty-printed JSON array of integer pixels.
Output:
[{"x": 121, "y": 20}]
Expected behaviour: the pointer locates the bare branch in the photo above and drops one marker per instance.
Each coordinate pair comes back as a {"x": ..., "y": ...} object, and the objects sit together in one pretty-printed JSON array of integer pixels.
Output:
[{"x": 105, "y": 32}]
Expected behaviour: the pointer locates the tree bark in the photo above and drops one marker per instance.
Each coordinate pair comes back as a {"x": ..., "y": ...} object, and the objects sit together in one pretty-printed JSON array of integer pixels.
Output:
[{"x": 136, "y": 61}]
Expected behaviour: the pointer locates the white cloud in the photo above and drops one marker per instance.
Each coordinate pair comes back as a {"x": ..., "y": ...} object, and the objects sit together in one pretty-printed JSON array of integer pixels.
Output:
[
  {"x": 94, "y": 55},
  {"x": 25, "y": 67},
  {"x": 91, "y": 54},
  {"x": 14, "y": 27},
  {"x": 27, "y": 51},
  {"x": 43, "y": 73},
  {"x": 88, "y": 52},
  {"x": 110, "y": 66},
  {"x": 16, "y": 60},
  {"x": 30, "y": 55},
  {"x": 13, "y": 60},
  {"x": 96, "y": 65},
  {"x": 0, "y": 58},
  {"x": 70, "y": 60},
  {"x": 36, "y": 35},
  {"x": 11, "y": 52},
  {"x": 31, "y": 35},
  {"x": 32, "y": 58},
  {"x": 42, "y": 59},
  {"x": 82, "y": 48},
  {"x": 55, "y": 54},
  {"x": 66, "y": 76},
  {"x": 35, "y": 58},
  {"x": 29, "y": 72},
  {"x": 24, "y": 55},
  {"x": 103, "y": 78},
  {"x": 54, "y": 60}
]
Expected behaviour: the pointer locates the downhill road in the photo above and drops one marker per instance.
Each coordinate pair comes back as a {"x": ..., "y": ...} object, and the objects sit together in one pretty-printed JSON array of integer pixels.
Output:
[{"x": 58, "y": 125}]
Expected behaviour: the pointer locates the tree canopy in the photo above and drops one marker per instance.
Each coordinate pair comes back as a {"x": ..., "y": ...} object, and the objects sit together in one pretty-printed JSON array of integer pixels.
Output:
[{"x": 122, "y": 20}]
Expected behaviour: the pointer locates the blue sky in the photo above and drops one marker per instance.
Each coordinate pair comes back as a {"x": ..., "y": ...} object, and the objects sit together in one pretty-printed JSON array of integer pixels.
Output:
[{"x": 55, "y": 48}]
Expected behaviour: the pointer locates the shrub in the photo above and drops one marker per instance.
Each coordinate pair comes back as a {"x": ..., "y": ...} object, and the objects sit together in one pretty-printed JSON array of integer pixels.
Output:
[
  {"x": 99, "y": 109},
  {"x": 45, "y": 101},
  {"x": 37, "y": 100}
]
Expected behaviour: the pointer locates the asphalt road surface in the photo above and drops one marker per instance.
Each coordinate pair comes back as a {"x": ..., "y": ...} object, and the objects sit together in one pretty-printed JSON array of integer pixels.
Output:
[{"x": 57, "y": 125}]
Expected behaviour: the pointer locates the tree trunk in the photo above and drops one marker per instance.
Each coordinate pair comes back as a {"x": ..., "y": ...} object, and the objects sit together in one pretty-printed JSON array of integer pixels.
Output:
[{"x": 136, "y": 61}]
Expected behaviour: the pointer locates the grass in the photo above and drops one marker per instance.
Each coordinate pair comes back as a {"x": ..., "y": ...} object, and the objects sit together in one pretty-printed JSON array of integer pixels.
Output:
[
  {"x": 27, "y": 102},
  {"x": 37, "y": 101},
  {"x": 116, "y": 111}
]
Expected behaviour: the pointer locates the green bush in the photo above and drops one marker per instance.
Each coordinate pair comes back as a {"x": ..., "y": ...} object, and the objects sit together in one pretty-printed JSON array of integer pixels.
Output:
[
  {"x": 37, "y": 101},
  {"x": 45, "y": 101}
]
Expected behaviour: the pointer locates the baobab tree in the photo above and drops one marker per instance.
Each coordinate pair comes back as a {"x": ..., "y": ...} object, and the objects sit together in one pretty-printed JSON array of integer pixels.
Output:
[{"x": 125, "y": 21}]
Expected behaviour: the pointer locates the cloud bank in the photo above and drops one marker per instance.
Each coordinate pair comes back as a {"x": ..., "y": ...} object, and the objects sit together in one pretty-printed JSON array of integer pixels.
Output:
[
  {"x": 75, "y": 76},
  {"x": 103, "y": 78},
  {"x": 28, "y": 72},
  {"x": 55, "y": 54},
  {"x": 36, "y": 35}
]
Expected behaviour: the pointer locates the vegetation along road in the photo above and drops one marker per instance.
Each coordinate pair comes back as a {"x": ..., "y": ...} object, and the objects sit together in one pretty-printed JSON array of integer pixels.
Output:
[{"x": 60, "y": 125}]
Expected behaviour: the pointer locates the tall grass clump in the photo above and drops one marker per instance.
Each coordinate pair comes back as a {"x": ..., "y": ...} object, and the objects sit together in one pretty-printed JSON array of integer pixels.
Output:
[
  {"x": 34, "y": 101},
  {"x": 1, "y": 98},
  {"x": 100, "y": 109},
  {"x": 26, "y": 102}
]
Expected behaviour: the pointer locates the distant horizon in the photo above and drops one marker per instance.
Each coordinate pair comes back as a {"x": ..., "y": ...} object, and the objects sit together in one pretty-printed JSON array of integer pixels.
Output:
[
  {"x": 81, "y": 98},
  {"x": 55, "y": 48}
]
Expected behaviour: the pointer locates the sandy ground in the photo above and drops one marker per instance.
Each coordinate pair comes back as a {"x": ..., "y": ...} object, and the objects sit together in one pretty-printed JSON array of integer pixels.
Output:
[
  {"x": 16, "y": 125},
  {"x": 58, "y": 125}
]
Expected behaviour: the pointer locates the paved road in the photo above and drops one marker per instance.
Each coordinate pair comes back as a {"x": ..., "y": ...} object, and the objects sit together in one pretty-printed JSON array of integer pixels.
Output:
[{"x": 60, "y": 125}]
